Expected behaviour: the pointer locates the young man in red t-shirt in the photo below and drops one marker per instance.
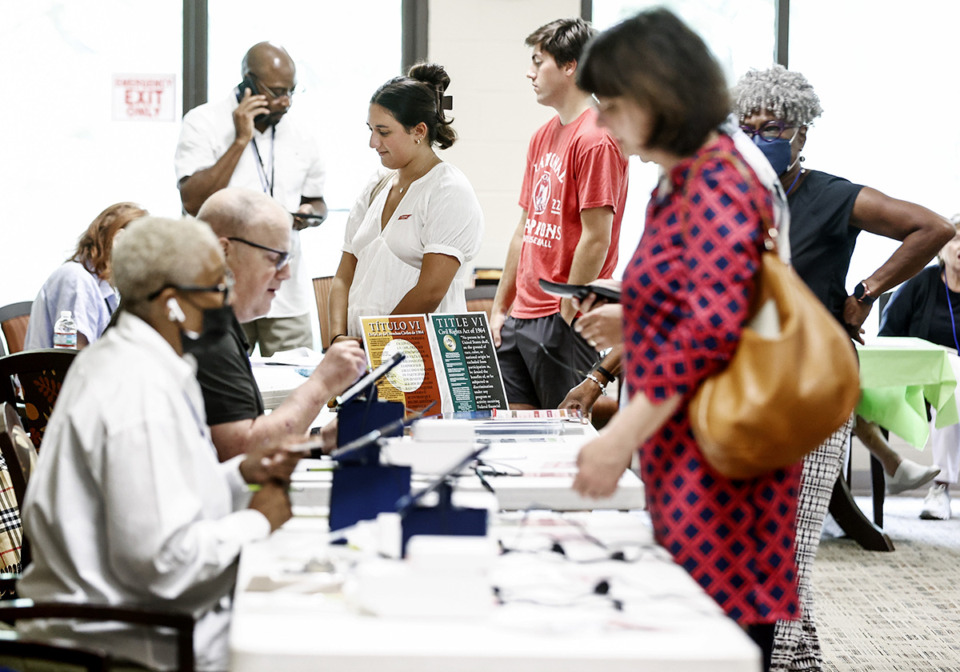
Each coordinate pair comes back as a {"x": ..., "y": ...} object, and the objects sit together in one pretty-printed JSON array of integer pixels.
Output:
[{"x": 574, "y": 190}]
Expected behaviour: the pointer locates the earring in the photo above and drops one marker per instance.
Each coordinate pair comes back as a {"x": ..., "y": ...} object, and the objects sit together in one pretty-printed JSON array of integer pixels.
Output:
[
  {"x": 802, "y": 158},
  {"x": 418, "y": 140}
]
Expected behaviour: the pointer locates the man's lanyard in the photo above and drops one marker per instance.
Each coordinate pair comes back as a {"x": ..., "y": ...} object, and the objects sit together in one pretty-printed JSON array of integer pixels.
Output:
[{"x": 267, "y": 185}]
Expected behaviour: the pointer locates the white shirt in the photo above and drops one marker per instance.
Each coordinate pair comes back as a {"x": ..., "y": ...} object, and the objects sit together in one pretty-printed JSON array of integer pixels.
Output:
[
  {"x": 439, "y": 214},
  {"x": 129, "y": 505},
  {"x": 90, "y": 300},
  {"x": 291, "y": 158}
]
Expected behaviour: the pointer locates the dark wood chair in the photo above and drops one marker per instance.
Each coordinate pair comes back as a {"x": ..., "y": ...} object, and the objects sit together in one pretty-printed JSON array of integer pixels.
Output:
[
  {"x": 481, "y": 298},
  {"x": 14, "y": 319},
  {"x": 321, "y": 293},
  {"x": 30, "y": 381},
  {"x": 21, "y": 655},
  {"x": 181, "y": 624},
  {"x": 12, "y": 610}
]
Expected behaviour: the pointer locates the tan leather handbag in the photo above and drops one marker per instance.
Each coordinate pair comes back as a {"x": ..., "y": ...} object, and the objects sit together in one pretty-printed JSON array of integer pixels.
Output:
[{"x": 792, "y": 382}]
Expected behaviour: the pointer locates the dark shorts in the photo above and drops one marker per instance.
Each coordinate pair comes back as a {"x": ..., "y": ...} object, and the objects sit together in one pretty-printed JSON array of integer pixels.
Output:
[{"x": 530, "y": 375}]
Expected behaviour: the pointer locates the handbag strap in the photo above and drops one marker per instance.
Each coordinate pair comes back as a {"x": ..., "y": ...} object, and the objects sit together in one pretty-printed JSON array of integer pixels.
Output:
[{"x": 769, "y": 229}]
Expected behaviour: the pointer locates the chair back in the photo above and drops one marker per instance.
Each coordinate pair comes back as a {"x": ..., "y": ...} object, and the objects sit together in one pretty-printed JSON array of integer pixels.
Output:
[
  {"x": 481, "y": 298},
  {"x": 182, "y": 624},
  {"x": 14, "y": 319},
  {"x": 13, "y": 486},
  {"x": 31, "y": 382},
  {"x": 321, "y": 292},
  {"x": 20, "y": 654}
]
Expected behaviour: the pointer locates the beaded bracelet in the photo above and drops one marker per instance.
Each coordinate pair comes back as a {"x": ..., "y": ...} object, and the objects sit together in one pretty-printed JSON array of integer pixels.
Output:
[{"x": 590, "y": 376}]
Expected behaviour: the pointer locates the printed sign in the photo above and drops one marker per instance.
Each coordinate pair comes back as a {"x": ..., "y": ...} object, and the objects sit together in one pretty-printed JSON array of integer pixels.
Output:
[
  {"x": 414, "y": 380},
  {"x": 466, "y": 352},
  {"x": 144, "y": 97}
]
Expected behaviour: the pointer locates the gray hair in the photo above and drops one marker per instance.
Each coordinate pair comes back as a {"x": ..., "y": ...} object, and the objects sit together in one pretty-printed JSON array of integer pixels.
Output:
[
  {"x": 785, "y": 94},
  {"x": 156, "y": 251},
  {"x": 234, "y": 211}
]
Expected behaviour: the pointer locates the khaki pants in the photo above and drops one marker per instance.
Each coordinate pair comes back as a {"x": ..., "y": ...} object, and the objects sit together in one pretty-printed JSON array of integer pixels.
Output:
[{"x": 275, "y": 334}]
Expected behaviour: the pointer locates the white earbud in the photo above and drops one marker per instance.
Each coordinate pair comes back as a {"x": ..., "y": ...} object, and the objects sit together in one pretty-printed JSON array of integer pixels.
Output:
[{"x": 175, "y": 313}]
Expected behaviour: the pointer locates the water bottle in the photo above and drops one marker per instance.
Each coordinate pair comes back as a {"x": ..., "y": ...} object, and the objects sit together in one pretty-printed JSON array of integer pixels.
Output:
[{"x": 65, "y": 331}]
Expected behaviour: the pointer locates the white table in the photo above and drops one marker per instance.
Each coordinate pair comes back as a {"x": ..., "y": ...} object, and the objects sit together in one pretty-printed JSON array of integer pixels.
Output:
[
  {"x": 524, "y": 472},
  {"x": 298, "y": 620},
  {"x": 277, "y": 381}
]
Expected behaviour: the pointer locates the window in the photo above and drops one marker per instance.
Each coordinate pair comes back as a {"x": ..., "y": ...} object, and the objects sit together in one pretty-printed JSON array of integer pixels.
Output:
[
  {"x": 65, "y": 157},
  {"x": 342, "y": 56},
  {"x": 741, "y": 35},
  {"x": 879, "y": 103}
]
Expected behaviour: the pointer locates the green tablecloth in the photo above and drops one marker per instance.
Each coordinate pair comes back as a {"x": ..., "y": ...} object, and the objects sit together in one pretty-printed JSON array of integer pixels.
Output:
[{"x": 896, "y": 375}]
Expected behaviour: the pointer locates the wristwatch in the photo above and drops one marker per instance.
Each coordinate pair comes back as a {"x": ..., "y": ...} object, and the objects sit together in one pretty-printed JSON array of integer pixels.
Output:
[{"x": 862, "y": 294}]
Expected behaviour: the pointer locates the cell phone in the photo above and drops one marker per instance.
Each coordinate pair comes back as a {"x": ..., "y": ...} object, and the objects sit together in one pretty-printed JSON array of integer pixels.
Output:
[
  {"x": 248, "y": 83},
  {"x": 580, "y": 292},
  {"x": 309, "y": 215}
]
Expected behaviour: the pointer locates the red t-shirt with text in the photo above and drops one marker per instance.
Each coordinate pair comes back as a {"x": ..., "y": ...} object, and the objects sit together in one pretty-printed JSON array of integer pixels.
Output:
[{"x": 569, "y": 169}]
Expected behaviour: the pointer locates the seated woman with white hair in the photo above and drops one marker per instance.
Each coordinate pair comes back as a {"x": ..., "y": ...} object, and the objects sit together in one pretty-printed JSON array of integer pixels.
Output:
[{"x": 129, "y": 504}]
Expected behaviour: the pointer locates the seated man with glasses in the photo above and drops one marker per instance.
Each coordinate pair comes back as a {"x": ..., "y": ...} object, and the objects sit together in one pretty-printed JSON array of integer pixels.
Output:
[
  {"x": 254, "y": 231},
  {"x": 248, "y": 140}
]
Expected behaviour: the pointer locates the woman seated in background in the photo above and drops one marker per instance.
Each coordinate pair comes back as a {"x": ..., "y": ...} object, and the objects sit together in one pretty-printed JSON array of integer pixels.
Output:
[
  {"x": 663, "y": 96},
  {"x": 928, "y": 306},
  {"x": 82, "y": 284},
  {"x": 128, "y": 504},
  {"x": 827, "y": 213},
  {"x": 413, "y": 229}
]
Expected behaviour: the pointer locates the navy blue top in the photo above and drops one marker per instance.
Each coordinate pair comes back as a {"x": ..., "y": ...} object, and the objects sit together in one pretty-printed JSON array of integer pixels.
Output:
[{"x": 821, "y": 237}]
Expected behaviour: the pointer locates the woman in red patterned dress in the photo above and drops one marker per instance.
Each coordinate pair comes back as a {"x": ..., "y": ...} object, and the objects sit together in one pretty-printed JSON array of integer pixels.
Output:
[{"x": 685, "y": 297}]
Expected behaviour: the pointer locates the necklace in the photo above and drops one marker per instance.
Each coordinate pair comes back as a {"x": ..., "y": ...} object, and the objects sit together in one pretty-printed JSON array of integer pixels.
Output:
[{"x": 418, "y": 174}]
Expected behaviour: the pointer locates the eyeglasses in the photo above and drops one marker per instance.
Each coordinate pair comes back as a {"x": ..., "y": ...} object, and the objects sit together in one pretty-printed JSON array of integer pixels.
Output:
[
  {"x": 768, "y": 132},
  {"x": 283, "y": 258},
  {"x": 224, "y": 288},
  {"x": 273, "y": 92}
]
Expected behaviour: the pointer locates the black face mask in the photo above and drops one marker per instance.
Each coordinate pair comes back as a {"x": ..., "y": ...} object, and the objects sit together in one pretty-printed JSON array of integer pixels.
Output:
[{"x": 216, "y": 325}]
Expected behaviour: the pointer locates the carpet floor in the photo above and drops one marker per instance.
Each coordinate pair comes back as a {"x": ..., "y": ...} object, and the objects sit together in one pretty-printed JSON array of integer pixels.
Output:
[{"x": 891, "y": 612}]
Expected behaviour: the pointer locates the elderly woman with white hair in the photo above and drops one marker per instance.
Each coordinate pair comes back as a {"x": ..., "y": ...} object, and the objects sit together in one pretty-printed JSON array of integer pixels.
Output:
[
  {"x": 128, "y": 504},
  {"x": 777, "y": 108}
]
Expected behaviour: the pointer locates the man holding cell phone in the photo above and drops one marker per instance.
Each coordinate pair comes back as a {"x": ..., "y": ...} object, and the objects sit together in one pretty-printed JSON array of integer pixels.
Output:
[{"x": 247, "y": 140}]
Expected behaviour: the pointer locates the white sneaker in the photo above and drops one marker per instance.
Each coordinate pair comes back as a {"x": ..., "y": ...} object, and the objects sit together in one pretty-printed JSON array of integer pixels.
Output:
[
  {"x": 936, "y": 505},
  {"x": 910, "y": 475}
]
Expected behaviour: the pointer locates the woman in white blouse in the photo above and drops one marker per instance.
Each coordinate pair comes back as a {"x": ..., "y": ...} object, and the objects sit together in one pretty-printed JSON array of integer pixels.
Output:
[{"x": 412, "y": 229}]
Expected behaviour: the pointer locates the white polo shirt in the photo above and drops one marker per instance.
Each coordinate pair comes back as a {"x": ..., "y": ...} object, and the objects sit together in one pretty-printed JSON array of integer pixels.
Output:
[{"x": 291, "y": 160}]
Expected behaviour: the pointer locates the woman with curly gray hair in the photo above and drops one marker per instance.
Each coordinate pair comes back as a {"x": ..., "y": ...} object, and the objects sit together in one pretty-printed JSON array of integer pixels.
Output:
[{"x": 777, "y": 108}]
